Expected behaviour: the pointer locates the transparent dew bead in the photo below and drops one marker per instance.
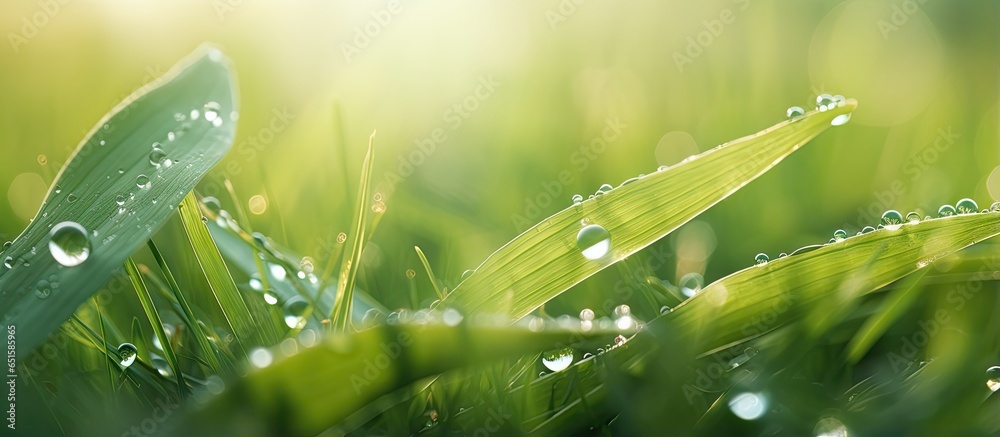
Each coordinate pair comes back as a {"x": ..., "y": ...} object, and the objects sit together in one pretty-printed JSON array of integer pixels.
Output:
[
  {"x": 966, "y": 206},
  {"x": 604, "y": 189},
  {"x": 824, "y": 102},
  {"x": 839, "y": 235},
  {"x": 892, "y": 219},
  {"x": 593, "y": 241},
  {"x": 157, "y": 156},
  {"x": 946, "y": 211},
  {"x": 69, "y": 244},
  {"x": 912, "y": 217},
  {"x": 622, "y": 311},
  {"x": 211, "y": 111},
  {"x": 761, "y": 258},
  {"x": 794, "y": 112},
  {"x": 665, "y": 309},
  {"x": 577, "y": 199},
  {"x": 840, "y": 120},
  {"x": 127, "y": 354},
  {"x": 867, "y": 229},
  {"x": 142, "y": 181},
  {"x": 587, "y": 314},
  {"x": 993, "y": 378},
  {"x": 995, "y": 207},
  {"x": 557, "y": 360}
]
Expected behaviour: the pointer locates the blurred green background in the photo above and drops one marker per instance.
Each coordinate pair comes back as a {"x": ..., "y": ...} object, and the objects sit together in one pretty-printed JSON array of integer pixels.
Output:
[{"x": 483, "y": 109}]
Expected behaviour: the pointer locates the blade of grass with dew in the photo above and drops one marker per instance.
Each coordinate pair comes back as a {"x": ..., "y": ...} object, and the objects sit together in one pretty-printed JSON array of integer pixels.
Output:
[
  {"x": 277, "y": 400},
  {"x": 154, "y": 319},
  {"x": 340, "y": 317},
  {"x": 201, "y": 337},
  {"x": 114, "y": 162},
  {"x": 892, "y": 308},
  {"x": 246, "y": 333},
  {"x": 545, "y": 260},
  {"x": 430, "y": 272},
  {"x": 790, "y": 288}
]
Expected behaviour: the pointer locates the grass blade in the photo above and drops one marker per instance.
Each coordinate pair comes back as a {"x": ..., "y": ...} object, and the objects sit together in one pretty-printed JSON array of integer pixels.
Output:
[
  {"x": 246, "y": 333},
  {"x": 894, "y": 306},
  {"x": 430, "y": 272},
  {"x": 343, "y": 303},
  {"x": 154, "y": 319},
  {"x": 545, "y": 260},
  {"x": 108, "y": 164}
]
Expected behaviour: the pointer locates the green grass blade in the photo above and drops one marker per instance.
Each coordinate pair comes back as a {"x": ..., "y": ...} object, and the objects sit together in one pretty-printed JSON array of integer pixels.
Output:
[
  {"x": 430, "y": 272},
  {"x": 201, "y": 337},
  {"x": 340, "y": 317},
  {"x": 544, "y": 261},
  {"x": 107, "y": 164},
  {"x": 306, "y": 393},
  {"x": 154, "y": 319},
  {"x": 892, "y": 308},
  {"x": 246, "y": 333},
  {"x": 789, "y": 288}
]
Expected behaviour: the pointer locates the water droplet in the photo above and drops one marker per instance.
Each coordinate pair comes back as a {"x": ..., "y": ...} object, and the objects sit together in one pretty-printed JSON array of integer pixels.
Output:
[
  {"x": 270, "y": 297},
  {"x": 946, "y": 211},
  {"x": 604, "y": 189},
  {"x": 8, "y": 262},
  {"x": 967, "y": 206},
  {"x": 586, "y": 314},
  {"x": 306, "y": 264},
  {"x": 794, "y": 112},
  {"x": 43, "y": 289},
  {"x": 212, "y": 111},
  {"x": 71, "y": 198},
  {"x": 995, "y": 207},
  {"x": 156, "y": 156},
  {"x": 69, "y": 244},
  {"x": 824, "y": 102},
  {"x": 160, "y": 365},
  {"x": 277, "y": 271},
  {"x": 179, "y": 117},
  {"x": 261, "y": 358},
  {"x": 761, "y": 258},
  {"x": 594, "y": 241},
  {"x": 558, "y": 360},
  {"x": 195, "y": 114},
  {"x": 841, "y": 119},
  {"x": 577, "y": 199},
  {"x": 748, "y": 406},
  {"x": 120, "y": 200},
  {"x": 294, "y": 308},
  {"x": 341, "y": 237},
  {"x": 127, "y": 353},
  {"x": 665, "y": 309},
  {"x": 839, "y": 235},
  {"x": 142, "y": 181},
  {"x": 451, "y": 317},
  {"x": 622, "y": 310},
  {"x": 830, "y": 427},
  {"x": 255, "y": 282},
  {"x": 993, "y": 378},
  {"x": 892, "y": 219},
  {"x": 912, "y": 217},
  {"x": 867, "y": 229},
  {"x": 101, "y": 142}
]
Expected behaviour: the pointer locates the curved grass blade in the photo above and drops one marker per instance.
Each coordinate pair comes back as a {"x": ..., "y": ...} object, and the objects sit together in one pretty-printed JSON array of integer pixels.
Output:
[
  {"x": 430, "y": 272},
  {"x": 891, "y": 309},
  {"x": 791, "y": 288},
  {"x": 343, "y": 303},
  {"x": 154, "y": 320},
  {"x": 348, "y": 371},
  {"x": 116, "y": 159},
  {"x": 545, "y": 260}
]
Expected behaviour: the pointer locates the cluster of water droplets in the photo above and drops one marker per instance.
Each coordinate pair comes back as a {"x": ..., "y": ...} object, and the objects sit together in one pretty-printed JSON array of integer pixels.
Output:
[
  {"x": 893, "y": 220},
  {"x": 824, "y": 102}
]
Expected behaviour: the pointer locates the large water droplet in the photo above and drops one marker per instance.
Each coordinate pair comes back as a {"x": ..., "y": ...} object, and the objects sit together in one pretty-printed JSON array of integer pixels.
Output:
[
  {"x": 912, "y": 217},
  {"x": 794, "y": 112},
  {"x": 761, "y": 258},
  {"x": 127, "y": 353},
  {"x": 867, "y": 229},
  {"x": 892, "y": 219},
  {"x": 946, "y": 211},
  {"x": 841, "y": 119},
  {"x": 157, "y": 156},
  {"x": 586, "y": 314},
  {"x": 270, "y": 297},
  {"x": 558, "y": 360},
  {"x": 160, "y": 365},
  {"x": 261, "y": 357},
  {"x": 993, "y": 378},
  {"x": 593, "y": 241},
  {"x": 69, "y": 244},
  {"x": 967, "y": 206},
  {"x": 748, "y": 406},
  {"x": 142, "y": 181},
  {"x": 995, "y": 207}
]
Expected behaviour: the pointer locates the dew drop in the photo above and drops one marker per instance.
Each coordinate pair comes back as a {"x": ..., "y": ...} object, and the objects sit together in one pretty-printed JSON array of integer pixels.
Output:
[
  {"x": 43, "y": 289},
  {"x": 68, "y": 244},
  {"x": 867, "y": 229},
  {"x": 995, "y": 207},
  {"x": 160, "y": 365},
  {"x": 840, "y": 120},
  {"x": 558, "y": 360},
  {"x": 794, "y": 112},
  {"x": 586, "y": 314},
  {"x": 622, "y": 310},
  {"x": 255, "y": 282},
  {"x": 127, "y": 353},
  {"x": 142, "y": 181},
  {"x": 120, "y": 200},
  {"x": 748, "y": 406},
  {"x": 577, "y": 199},
  {"x": 892, "y": 219},
  {"x": 967, "y": 206},
  {"x": 593, "y": 241},
  {"x": 261, "y": 358},
  {"x": 912, "y": 217},
  {"x": 211, "y": 110},
  {"x": 830, "y": 427},
  {"x": 761, "y": 258},
  {"x": 993, "y": 378},
  {"x": 824, "y": 102},
  {"x": 71, "y": 198},
  {"x": 664, "y": 309},
  {"x": 946, "y": 211},
  {"x": 270, "y": 297},
  {"x": 294, "y": 309},
  {"x": 156, "y": 156},
  {"x": 604, "y": 188},
  {"x": 839, "y": 235}
]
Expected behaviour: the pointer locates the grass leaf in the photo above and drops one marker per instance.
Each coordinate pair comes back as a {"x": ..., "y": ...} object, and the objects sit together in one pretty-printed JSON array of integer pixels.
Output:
[
  {"x": 114, "y": 162},
  {"x": 545, "y": 260}
]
